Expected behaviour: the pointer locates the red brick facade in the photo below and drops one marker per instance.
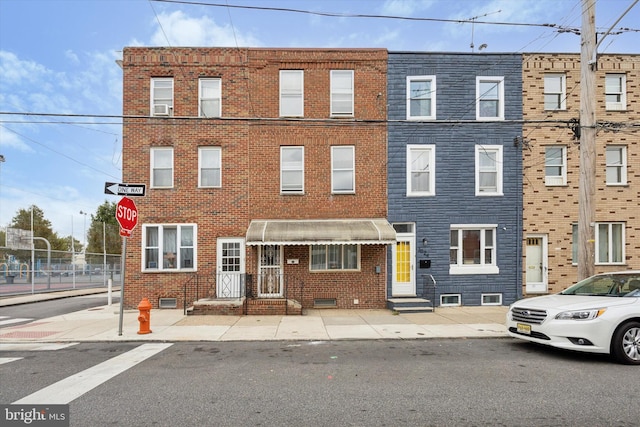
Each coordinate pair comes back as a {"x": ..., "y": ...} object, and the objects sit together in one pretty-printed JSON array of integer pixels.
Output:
[{"x": 250, "y": 134}]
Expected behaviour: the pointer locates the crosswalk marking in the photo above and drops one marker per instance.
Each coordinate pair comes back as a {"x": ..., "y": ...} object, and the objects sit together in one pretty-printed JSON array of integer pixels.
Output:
[
  {"x": 70, "y": 388},
  {"x": 35, "y": 346},
  {"x": 4, "y": 320},
  {"x": 4, "y": 360}
]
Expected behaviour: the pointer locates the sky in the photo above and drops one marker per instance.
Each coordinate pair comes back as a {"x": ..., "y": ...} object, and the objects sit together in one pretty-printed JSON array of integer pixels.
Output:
[{"x": 59, "y": 57}]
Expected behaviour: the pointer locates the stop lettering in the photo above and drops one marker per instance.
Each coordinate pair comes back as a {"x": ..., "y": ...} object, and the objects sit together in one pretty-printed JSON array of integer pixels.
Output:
[{"x": 127, "y": 214}]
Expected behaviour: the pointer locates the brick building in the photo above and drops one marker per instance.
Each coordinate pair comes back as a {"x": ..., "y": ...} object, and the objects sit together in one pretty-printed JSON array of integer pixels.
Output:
[
  {"x": 265, "y": 174},
  {"x": 551, "y": 96}
]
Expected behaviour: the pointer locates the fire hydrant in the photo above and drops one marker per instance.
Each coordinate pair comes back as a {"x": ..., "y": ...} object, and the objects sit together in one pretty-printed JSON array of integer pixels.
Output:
[{"x": 144, "y": 317}]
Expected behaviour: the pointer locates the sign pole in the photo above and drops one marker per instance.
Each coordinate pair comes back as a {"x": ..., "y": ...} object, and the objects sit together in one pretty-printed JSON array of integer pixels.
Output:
[{"x": 122, "y": 266}]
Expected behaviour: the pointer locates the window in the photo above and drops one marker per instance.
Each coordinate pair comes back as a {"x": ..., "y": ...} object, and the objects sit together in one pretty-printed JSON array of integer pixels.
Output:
[
  {"x": 616, "y": 165},
  {"x": 335, "y": 257},
  {"x": 490, "y": 98},
  {"x": 162, "y": 96},
  {"x": 209, "y": 165},
  {"x": 169, "y": 247},
  {"x": 555, "y": 165},
  {"x": 615, "y": 91},
  {"x": 610, "y": 243},
  {"x": 449, "y": 300},
  {"x": 421, "y": 97},
  {"x": 421, "y": 176},
  {"x": 555, "y": 92},
  {"x": 161, "y": 167},
  {"x": 342, "y": 92},
  {"x": 343, "y": 167},
  {"x": 291, "y": 93},
  {"x": 488, "y": 170},
  {"x": 292, "y": 170},
  {"x": 491, "y": 299},
  {"x": 210, "y": 98},
  {"x": 473, "y": 249}
]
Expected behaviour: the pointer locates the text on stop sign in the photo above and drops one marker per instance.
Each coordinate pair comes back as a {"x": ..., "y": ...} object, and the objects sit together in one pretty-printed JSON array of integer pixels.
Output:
[{"x": 127, "y": 214}]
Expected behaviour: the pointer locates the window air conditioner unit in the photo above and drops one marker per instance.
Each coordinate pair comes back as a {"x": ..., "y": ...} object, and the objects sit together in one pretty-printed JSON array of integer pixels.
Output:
[{"x": 160, "y": 109}]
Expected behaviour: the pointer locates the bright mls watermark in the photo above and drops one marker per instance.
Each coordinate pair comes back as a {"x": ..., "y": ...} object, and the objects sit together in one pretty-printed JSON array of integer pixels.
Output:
[{"x": 34, "y": 415}]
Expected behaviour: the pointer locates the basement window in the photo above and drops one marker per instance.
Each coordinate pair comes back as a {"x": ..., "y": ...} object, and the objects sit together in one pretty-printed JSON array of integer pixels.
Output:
[
  {"x": 325, "y": 303},
  {"x": 491, "y": 299},
  {"x": 168, "y": 303},
  {"x": 450, "y": 300}
]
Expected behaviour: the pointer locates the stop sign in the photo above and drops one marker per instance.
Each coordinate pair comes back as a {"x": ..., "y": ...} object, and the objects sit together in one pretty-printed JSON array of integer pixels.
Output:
[{"x": 126, "y": 215}]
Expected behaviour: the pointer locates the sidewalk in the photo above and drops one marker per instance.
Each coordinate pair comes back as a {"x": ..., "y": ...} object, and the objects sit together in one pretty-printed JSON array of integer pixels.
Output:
[{"x": 102, "y": 324}]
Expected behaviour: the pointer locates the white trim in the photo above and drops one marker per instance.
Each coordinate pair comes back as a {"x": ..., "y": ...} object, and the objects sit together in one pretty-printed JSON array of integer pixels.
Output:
[
  {"x": 499, "y": 295},
  {"x": 159, "y": 264},
  {"x": 297, "y": 94},
  {"x": 622, "y": 104},
  {"x": 622, "y": 166},
  {"x": 164, "y": 101},
  {"x": 352, "y": 169},
  {"x": 200, "y": 152},
  {"x": 432, "y": 99},
  {"x": 219, "y": 95},
  {"x": 562, "y": 93},
  {"x": 451, "y": 304},
  {"x": 152, "y": 162},
  {"x": 285, "y": 169},
  {"x": 498, "y": 149},
  {"x": 479, "y": 97},
  {"x": 338, "y": 91},
  {"x": 556, "y": 180},
  {"x": 430, "y": 149}
]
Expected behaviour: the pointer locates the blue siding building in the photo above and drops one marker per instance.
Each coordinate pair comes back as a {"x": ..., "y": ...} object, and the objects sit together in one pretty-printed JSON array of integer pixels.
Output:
[{"x": 455, "y": 177}]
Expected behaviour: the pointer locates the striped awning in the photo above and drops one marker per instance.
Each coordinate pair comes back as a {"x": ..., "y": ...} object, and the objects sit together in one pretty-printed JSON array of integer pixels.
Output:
[{"x": 375, "y": 231}]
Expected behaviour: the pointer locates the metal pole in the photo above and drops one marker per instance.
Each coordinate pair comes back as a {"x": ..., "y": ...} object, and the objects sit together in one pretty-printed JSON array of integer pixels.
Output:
[{"x": 122, "y": 265}]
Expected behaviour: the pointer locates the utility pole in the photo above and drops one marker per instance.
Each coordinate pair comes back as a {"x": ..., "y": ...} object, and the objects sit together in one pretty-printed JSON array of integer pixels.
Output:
[{"x": 586, "y": 206}]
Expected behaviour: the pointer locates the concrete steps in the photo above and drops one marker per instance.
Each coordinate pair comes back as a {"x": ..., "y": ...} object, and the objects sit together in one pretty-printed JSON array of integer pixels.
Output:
[{"x": 410, "y": 305}]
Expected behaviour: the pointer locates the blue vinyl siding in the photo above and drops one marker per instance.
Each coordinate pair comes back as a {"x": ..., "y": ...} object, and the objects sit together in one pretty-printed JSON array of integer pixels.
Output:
[{"x": 455, "y": 133}]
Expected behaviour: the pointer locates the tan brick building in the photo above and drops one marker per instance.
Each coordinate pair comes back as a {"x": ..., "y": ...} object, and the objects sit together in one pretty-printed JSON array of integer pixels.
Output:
[
  {"x": 265, "y": 173},
  {"x": 551, "y": 98}
]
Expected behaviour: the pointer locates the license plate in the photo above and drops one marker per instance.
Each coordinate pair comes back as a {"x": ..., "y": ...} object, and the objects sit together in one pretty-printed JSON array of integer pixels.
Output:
[{"x": 523, "y": 329}]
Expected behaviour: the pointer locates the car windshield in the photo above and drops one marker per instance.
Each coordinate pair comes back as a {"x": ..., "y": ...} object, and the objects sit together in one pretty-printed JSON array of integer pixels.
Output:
[{"x": 615, "y": 285}]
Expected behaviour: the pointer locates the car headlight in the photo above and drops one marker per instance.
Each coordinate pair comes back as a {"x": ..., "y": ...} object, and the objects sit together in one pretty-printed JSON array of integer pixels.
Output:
[{"x": 581, "y": 314}]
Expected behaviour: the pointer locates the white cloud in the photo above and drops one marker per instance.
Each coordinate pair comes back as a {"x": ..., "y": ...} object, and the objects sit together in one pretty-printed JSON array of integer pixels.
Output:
[{"x": 179, "y": 29}]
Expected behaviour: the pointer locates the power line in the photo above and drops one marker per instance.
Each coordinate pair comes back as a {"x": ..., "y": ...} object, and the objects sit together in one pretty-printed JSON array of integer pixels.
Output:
[{"x": 574, "y": 30}]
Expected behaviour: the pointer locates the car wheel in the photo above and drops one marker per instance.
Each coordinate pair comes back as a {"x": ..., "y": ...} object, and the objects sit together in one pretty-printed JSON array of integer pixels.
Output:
[{"x": 625, "y": 345}]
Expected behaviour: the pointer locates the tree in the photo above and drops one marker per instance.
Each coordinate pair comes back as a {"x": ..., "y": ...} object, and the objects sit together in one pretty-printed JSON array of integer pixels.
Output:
[
  {"x": 108, "y": 237},
  {"x": 41, "y": 228}
]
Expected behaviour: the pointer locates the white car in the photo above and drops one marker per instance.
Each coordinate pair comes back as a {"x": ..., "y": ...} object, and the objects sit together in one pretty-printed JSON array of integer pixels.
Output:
[{"x": 600, "y": 314}]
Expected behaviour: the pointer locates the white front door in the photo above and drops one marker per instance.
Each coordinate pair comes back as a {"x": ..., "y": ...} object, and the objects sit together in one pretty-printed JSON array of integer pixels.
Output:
[
  {"x": 536, "y": 264},
  {"x": 404, "y": 265},
  {"x": 230, "y": 268},
  {"x": 270, "y": 272}
]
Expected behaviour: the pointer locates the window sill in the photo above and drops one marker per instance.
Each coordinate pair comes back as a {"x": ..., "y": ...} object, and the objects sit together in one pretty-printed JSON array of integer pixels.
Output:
[{"x": 473, "y": 269}]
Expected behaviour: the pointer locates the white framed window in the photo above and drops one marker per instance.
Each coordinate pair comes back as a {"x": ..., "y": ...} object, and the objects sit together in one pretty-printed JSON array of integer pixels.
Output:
[
  {"x": 489, "y": 170},
  {"x": 162, "y": 96},
  {"x": 490, "y": 98},
  {"x": 342, "y": 93},
  {"x": 292, "y": 170},
  {"x": 343, "y": 169},
  {"x": 616, "y": 156},
  {"x": 610, "y": 243},
  {"x": 291, "y": 93},
  {"x": 162, "y": 167},
  {"x": 615, "y": 91},
  {"x": 210, "y": 167},
  {"x": 421, "y": 171},
  {"x": 555, "y": 91},
  {"x": 210, "y": 97},
  {"x": 555, "y": 165},
  {"x": 334, "y": 257},
  {"x": 491, "y": 299},
  {"x": 450, "y": 300},
  {"x": 169, "y": 247},
  {"x": 473, "y": 249},
  {"x": 421, "y": 97}
]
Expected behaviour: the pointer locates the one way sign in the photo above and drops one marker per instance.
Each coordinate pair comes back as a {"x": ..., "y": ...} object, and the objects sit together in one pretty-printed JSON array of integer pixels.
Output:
[{"x": 124, "y": 189}]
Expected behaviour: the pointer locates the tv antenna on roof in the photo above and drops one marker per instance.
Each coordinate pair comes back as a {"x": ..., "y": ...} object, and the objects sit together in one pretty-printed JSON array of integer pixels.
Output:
[{"x": 473, "y": 21}]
